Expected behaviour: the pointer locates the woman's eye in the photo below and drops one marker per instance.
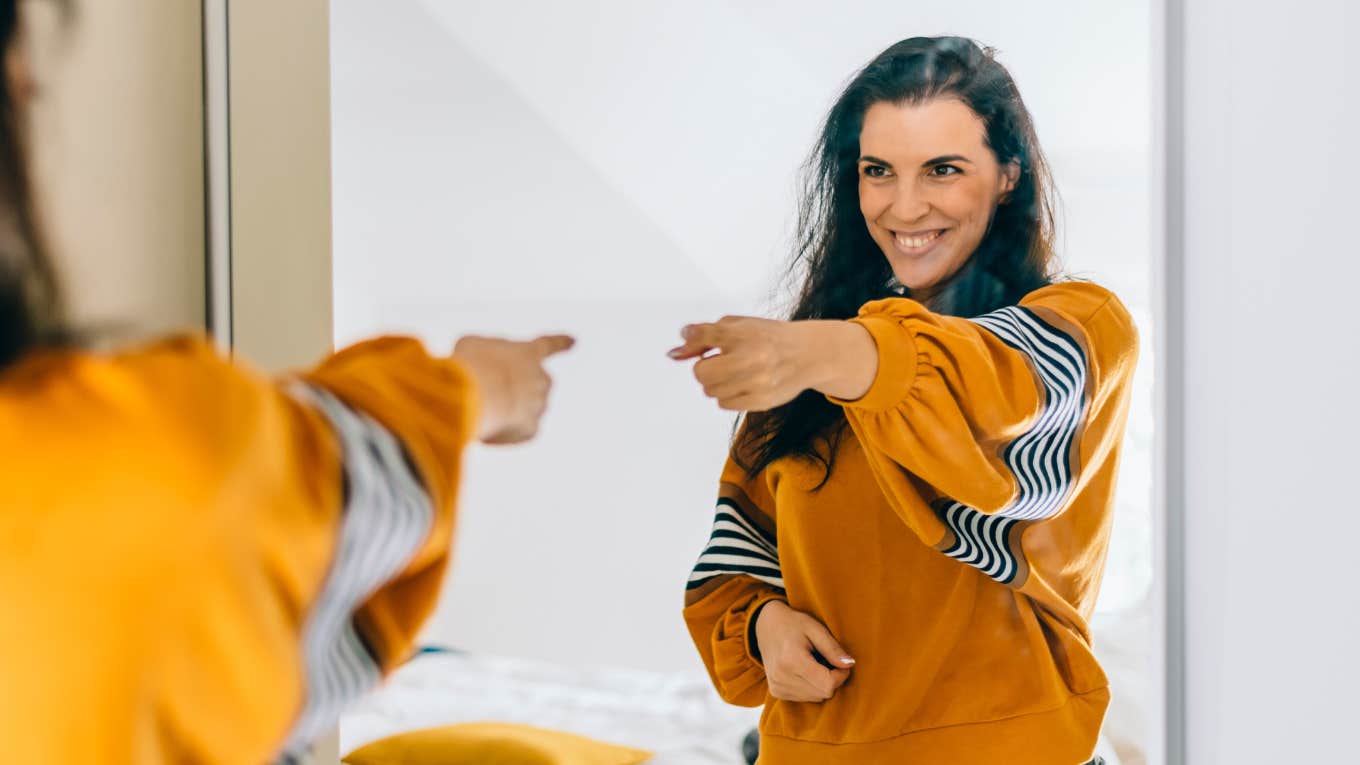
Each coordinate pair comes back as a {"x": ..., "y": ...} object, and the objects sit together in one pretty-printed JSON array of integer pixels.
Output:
[
  {"x": 875, "y": 171},
  {"x": 941, "y": 171}
]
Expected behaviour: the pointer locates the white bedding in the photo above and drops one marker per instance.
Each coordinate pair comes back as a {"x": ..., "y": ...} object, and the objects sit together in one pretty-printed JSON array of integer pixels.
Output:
[{"x": 678, "y": 717}]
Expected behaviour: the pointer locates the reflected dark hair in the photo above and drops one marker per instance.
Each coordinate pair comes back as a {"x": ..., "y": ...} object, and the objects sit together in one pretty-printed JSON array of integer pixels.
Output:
[
  {"x": 843, "y": 268},
  {"x": 31, "y": 311}
]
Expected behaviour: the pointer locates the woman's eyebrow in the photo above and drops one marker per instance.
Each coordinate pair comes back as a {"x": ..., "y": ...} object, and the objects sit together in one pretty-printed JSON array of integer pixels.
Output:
[
  {"x": 946, "y": 159},
  {"x": 875, "y": 160}
]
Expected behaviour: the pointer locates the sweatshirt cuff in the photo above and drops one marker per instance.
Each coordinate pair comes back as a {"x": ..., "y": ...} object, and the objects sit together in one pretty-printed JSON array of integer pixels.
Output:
[
  {"x": 897, "y": 361},
  {"x": 470, "y": 403}
]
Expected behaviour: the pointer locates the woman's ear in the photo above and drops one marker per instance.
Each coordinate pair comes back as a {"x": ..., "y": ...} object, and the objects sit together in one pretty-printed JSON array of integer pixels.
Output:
[{"x": 1010, "y": 175}]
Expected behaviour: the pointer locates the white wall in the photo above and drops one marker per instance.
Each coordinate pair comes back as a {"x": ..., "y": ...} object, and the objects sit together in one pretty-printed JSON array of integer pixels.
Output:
[
  {"x": 616, "y": 169},
  {"x": 1271, "y": 270}
]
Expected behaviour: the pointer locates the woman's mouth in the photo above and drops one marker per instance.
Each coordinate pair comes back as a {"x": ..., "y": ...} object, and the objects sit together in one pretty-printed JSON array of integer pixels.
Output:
[{"x": 917, "y": 243}]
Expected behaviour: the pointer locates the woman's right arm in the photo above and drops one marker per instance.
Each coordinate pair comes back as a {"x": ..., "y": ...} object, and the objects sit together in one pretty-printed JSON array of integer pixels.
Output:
[
  {"x": 401, "y": 419},
  {"x": 330, "y": 528}
]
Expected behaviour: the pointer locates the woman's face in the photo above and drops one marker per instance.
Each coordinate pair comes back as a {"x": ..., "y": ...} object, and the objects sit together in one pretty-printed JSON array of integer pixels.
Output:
[{"x": 928, "y": 185}]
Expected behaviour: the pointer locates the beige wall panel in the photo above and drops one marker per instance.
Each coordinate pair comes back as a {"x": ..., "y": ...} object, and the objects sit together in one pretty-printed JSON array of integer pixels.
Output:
[{"x": 280, "y": 180}]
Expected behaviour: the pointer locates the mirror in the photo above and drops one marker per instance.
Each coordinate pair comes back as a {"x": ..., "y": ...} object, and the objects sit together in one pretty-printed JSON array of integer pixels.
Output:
[{"x": 617, "y": 170}]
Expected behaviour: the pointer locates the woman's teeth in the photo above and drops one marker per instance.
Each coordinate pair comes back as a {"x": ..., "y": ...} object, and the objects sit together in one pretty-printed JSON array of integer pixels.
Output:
[{"x": 918, "y": 241}]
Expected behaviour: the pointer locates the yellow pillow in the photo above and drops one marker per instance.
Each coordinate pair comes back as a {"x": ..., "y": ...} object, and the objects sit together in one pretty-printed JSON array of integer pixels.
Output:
[{"x": 489, "y": 743}]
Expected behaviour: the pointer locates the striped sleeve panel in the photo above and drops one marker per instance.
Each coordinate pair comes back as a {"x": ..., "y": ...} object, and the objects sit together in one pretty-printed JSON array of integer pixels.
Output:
[
  {"x": 387, "y": 517},
  {"x": 1042, "y": 460},
  {"x": 983, "y": 541},
  {"x": 739, "y": 545}
]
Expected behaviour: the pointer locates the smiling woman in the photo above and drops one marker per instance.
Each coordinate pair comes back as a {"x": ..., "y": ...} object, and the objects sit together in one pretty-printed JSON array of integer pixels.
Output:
[{"x": 912, "y": 525}]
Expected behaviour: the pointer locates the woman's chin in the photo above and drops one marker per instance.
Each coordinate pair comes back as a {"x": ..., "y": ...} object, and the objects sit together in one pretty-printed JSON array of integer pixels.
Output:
[
  {"x": 919, "y": 273},
  {"x": 916, "y": 282}
]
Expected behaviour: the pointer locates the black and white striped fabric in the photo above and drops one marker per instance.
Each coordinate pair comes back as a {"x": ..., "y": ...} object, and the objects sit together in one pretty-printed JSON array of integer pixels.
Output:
[
  {"x": 982, "y": 541},
  {"x": 737, "y": 547},
  {"x": 387, "y": 516},
  {"x": 1040, "y": 459}
]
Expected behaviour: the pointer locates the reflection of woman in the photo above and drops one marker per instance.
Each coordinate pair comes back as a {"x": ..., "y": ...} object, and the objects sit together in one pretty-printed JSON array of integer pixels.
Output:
[
  {"x": 197, "y": 564},
  {"x": 928, "y": 485}
]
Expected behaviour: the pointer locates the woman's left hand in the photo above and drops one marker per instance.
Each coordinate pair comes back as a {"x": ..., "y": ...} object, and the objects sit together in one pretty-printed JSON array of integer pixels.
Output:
[{"x": 758, "y": 365}]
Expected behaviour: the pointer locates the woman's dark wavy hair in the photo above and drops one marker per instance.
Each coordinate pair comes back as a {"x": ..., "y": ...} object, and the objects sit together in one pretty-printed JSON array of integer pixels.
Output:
[
  {"x": 31, "y": 311},
  {"x": 841, "y": 266}
]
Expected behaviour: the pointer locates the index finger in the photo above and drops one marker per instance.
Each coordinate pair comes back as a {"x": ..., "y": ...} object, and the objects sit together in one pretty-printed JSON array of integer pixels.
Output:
[
  {"x": 549, "y": 345},
  {"x": 699, "y": 339},
  {"x": 708, "y": 334}
]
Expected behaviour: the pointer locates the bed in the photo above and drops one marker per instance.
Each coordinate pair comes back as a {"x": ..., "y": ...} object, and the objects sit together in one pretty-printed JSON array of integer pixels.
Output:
[{"x": 679, "y": 717}]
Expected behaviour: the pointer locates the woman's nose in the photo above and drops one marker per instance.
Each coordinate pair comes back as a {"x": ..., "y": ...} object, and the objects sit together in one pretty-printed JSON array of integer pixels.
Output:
[{"x": 909, "y": 203}]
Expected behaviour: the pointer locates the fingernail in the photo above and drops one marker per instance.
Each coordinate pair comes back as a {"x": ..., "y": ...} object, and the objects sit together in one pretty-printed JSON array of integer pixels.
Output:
[
  {"x": 846, "y": 660},
  {"x": 674, "y": 353},
  {"x": 686, "y": 331}
]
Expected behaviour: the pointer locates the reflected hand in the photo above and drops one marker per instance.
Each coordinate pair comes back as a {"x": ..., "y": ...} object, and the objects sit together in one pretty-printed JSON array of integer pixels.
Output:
[
  {"x": 759, "y": 364},
  {"x": 790, "y": 642},
  {"x": 513, "y": 384}
]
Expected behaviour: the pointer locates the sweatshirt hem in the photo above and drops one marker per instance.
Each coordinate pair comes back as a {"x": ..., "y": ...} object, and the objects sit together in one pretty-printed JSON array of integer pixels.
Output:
[{"x": 1065, "y": 735}]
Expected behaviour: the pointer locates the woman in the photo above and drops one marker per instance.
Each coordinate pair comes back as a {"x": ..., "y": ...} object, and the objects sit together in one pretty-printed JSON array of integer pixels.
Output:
[
  {"x": 198, "y": 564},
  {"x": 914, "y": 517}
]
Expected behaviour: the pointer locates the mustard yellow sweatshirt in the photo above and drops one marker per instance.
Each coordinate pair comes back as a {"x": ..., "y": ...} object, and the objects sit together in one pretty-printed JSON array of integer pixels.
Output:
[
  {"x": 198, "y": 564},
  {"x": 956, "y": 550}
]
